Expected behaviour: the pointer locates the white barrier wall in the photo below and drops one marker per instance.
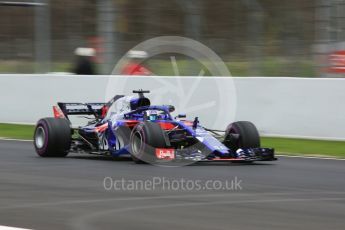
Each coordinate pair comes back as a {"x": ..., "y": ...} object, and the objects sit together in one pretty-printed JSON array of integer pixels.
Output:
[{"x": 292, "y": 107}]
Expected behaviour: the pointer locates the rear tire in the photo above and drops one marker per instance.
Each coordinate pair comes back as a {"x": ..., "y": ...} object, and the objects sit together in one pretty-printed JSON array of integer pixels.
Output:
[
  {"x": 52, "y": 137},
  {"x": 144, "y": 140},
  {"x": 242, "y": 134}
]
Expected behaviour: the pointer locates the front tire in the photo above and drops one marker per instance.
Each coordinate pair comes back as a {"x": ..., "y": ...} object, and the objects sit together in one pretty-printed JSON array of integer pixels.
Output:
[
  {"x": 52, "y": 137},
  {"x": 242, "y": 134},
  {"x": 144, "y": 140}
]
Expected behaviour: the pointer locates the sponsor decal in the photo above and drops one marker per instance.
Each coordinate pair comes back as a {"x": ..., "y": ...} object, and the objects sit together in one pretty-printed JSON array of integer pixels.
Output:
[
  {"x": 166, "y": 126},
  {"x": 166, "y": 154}
]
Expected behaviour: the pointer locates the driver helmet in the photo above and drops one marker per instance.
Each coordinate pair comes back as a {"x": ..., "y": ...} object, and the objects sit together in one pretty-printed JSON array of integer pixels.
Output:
[{"x": 152, "y": 115}]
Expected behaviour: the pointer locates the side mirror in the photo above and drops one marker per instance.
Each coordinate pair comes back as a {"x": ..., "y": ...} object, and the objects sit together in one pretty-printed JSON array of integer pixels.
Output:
[
  {"x": 171, "y": 108},
  {"x": 181, "y": 116},
  {"x": 195, "y": 122}
]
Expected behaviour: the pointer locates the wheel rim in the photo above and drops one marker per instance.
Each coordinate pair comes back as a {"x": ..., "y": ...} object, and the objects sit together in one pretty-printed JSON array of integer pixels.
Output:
[
  {"x": 137, "y": 143},
  {"x": 235, "y": 143},
  {"x": 40, "y": 137}
]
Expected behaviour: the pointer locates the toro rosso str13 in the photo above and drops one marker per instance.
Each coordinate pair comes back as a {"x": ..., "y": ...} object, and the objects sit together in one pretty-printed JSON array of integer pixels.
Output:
[{"x": 130, "y": 125}]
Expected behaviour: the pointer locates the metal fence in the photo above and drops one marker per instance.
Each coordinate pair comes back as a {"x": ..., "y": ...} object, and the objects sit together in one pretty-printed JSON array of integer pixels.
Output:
[{"x": 254, "y": 37}]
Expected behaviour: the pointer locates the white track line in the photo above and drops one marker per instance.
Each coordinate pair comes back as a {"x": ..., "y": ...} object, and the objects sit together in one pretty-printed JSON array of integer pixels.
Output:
[
  {"x": 10, "y": 139},
  {"x": 312, "y": 157},
  {"x": 12, "y": 228}
]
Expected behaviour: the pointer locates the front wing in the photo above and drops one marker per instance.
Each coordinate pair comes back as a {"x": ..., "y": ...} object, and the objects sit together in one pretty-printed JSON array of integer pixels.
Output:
[{"x": 241, "y": 155}]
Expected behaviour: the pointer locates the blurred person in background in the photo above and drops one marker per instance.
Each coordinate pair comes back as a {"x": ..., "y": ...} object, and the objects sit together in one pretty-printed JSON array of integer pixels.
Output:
[
  {"x": 134, "y": 66},
  {"x": 84, "y": 64}
]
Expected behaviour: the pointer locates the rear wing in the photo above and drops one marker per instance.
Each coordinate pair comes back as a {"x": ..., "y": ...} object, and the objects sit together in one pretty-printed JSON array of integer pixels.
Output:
[
  {"x": 99, "y": 110},
  {"x": 67, "y": 109}
]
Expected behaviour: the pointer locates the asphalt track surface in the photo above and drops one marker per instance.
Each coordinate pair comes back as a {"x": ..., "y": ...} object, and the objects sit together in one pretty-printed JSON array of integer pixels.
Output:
[{"x": 292, "y": 193}]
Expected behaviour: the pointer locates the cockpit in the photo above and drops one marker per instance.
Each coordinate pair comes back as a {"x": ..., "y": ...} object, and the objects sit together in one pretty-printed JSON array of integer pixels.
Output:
[{"x": 149, "y": 114}]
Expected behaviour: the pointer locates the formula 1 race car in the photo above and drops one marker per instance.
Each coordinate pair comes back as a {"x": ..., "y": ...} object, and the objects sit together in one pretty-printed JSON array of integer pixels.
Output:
[{"x": 130, "y": 125}]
